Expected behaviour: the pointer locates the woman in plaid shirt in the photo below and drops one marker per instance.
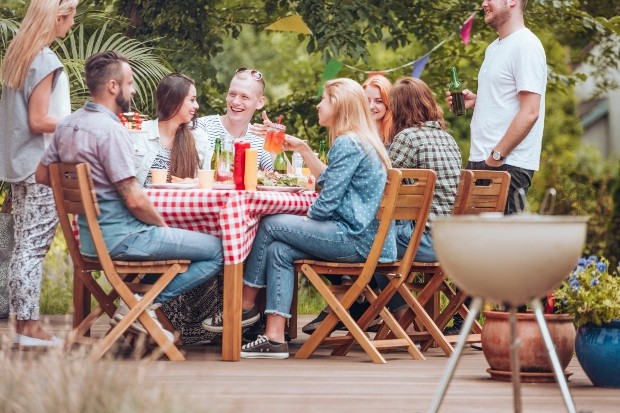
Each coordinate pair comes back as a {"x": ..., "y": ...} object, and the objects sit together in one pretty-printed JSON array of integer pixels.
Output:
[{"x": 420, "y": 140}]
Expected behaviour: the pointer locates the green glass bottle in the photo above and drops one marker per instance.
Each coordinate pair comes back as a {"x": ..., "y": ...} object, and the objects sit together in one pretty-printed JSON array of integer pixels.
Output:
[
  {"x": 323, "y": 151},
  {"x": 280, "y": 164},
  {"x": 216, "y": 153},
  {"x": 456, "y": 90}
]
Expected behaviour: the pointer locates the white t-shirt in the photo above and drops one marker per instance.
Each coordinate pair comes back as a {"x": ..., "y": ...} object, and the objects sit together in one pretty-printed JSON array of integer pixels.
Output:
[
  {"x": 213, "y": 128},
  {"x": 511, "y": 65}
]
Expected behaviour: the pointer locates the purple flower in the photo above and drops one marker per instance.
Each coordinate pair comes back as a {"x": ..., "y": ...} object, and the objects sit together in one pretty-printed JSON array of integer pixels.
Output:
[
  {"x": 592, "y": 259},
  {"x": 582, "y": 262},
  {"x": 601, "y": 267},
  {"x": 594, "y": 282},
  {"x": 573, "y": 283}
]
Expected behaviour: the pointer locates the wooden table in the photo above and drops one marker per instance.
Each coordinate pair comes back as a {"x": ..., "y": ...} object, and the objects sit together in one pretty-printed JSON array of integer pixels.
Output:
[{"x": 232, "y": 216}]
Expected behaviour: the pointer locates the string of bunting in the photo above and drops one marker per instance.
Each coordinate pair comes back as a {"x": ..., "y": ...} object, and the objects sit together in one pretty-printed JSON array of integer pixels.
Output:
[{"x": 296, "y": 24}]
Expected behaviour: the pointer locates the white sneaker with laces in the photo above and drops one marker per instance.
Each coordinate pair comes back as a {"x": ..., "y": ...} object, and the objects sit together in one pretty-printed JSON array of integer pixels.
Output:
[
  {"x": 137, "y": 326},
  {"x": 27, "y": 341}
]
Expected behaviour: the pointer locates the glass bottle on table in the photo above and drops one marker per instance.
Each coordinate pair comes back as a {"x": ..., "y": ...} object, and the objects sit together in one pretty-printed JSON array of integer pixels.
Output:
[
  {"x": 456, "y": 91},
  {"x": 298, "y": 163},
  {"x": 225, "y": 160},
  {"x": 279, "y": 164},
  {"x": 323, "y": 151},
  {"x": 217, "y": 150}
]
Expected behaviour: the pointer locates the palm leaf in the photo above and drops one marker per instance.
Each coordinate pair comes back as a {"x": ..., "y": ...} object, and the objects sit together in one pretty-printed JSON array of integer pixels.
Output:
[
  {"x": 8, "y": 28},
  {"x": 148, "y": 67}
]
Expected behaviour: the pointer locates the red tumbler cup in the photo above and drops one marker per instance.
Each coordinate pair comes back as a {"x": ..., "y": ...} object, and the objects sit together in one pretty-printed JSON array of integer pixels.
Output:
[{"x": 239, "y": 164}]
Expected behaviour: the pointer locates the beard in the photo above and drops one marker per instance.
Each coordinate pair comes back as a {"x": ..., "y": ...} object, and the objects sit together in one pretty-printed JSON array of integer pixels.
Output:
[
  {"x": 499, "y": 17},
  {"x": 122, "y": 102}
]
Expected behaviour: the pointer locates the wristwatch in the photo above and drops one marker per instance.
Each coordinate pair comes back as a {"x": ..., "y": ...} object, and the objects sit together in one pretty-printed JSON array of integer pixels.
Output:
[{"x": 497, "y": 156}]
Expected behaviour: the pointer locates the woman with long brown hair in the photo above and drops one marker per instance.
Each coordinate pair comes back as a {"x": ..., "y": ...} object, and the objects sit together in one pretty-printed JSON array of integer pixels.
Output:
[
  {"x": 420, "y": 140},
  {"x": 170, "y": 143},
  {"x": 35, "y": 96}
]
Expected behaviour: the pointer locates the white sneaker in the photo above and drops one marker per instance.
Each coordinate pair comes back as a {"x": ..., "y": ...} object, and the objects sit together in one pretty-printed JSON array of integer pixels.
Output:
[
  {"x": 26, "y": 341},
  {"x": 137, "y": 326}
]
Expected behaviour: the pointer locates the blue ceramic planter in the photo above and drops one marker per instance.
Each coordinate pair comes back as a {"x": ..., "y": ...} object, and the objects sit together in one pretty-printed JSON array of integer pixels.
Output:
[{"x": 598, "y": 351}]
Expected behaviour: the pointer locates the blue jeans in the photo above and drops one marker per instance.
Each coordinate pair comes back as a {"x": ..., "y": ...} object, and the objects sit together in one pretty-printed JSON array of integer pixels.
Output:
[
  {"x": 282, "y": 239},
  {"x": 158, "y": 243},
  {"x": 425, "y": 253}
]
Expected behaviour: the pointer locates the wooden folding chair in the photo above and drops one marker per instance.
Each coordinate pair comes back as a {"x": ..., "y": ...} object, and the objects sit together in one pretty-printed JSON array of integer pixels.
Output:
[
  {"x": 73, "y": 190},
  {"x": 479, "y": 191},
  {"x": 396, "y": 194}
]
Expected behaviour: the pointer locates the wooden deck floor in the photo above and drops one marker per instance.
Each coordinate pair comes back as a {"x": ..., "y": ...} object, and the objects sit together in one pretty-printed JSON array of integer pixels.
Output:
[{"x": 353, "y": 384}]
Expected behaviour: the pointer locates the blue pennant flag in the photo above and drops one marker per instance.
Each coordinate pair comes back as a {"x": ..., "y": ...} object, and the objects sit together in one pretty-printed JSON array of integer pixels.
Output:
[{"x": 418, "y": 66}]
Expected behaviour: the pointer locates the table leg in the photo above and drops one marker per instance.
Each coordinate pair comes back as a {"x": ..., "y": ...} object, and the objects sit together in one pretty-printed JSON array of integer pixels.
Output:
[{"x": 231, "y": 336}]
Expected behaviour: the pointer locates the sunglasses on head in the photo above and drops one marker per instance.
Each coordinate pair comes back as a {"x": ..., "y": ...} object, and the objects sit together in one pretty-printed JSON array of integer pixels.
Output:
[{"x": 254, "y": 73}]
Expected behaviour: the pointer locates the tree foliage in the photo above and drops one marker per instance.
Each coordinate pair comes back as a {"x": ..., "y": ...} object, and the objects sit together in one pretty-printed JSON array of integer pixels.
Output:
[{"x": 209, "y": 39}]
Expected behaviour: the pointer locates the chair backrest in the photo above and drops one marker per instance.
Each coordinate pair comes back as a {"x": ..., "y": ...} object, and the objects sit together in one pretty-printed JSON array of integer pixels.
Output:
[
  {"x": 74, "y": 193},
  {"x": 482, "y": 191},
  {"x": 384, "y": 216},
  {"x": 63, "y": 178},
  {"x": 415, "y": 196}
]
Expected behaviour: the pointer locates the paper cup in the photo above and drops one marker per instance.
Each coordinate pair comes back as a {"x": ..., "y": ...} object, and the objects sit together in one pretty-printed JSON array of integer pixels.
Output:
[
  {"x": 205, "y": 178},
  {"x": 159, "y": 176}
]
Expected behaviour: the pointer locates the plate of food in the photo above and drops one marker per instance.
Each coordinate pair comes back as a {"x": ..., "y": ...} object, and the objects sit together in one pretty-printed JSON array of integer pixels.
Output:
[
  {"x": 274, "y": 181},
  {"x": 173, "y": 185},
  {"x": 276, "y": 188}
]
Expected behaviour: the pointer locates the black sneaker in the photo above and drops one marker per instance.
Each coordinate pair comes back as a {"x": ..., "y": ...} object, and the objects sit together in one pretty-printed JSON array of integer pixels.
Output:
[
  {"x": 215, "y": 324},
  {"x": 455, "y": 329},
  {"x": 476, "y": 346},
  {"x": 314, "y": 324},
  {"x": 263, "y": 348},
  {"x": 252, "y": 332}
]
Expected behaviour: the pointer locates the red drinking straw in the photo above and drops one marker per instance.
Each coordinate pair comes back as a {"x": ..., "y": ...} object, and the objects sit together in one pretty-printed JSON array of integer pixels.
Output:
[{"x": 279, "y": 119}]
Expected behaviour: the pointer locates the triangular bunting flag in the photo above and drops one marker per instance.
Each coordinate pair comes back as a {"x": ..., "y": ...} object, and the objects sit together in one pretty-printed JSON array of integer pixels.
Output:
[
  {"x": 290, "y": 24},
  {"x": 466, "y": 29},
  {"x": 418, "y": 66},
  {"x": 331, "y": 70}
]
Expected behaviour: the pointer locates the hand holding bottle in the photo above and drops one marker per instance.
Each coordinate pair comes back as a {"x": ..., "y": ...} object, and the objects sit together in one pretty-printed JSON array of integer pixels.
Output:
[{"x": 468, "y": 95}]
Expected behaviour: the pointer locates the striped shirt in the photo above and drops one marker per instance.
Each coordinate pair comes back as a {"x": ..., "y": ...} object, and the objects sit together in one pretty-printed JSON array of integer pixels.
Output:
[
  {"x": 430, "y": 147},
  {"x": 213, "y": 128}
]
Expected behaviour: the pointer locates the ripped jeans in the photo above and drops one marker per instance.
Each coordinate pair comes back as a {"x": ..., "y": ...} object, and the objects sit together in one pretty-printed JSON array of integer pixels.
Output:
[{"x": 284, "y": 238}]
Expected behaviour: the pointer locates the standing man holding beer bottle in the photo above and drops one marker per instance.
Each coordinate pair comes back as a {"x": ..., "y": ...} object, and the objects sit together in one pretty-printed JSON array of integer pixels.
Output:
[{"x": 509, "y": 109}]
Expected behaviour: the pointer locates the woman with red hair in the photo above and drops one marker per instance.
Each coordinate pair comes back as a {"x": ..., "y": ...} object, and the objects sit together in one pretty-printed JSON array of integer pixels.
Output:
[{"x": 377, "y": 89}]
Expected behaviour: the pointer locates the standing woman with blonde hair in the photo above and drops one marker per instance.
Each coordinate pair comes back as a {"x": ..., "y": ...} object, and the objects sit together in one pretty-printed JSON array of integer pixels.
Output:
[
  {"x": 35, "y": 96},
  {"x": 377, "y": 89},
  {"x": 340, "y": 224}
]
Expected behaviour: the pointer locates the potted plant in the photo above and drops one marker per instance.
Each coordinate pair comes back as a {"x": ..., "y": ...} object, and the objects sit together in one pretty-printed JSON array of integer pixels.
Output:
[
  {"x": 592, "y": 295},
  {"x": 535, "y": 364}
]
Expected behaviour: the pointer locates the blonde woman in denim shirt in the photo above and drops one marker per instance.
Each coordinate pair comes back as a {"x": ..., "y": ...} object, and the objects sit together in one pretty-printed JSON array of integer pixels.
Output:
[{"x": 340, "y": 224}]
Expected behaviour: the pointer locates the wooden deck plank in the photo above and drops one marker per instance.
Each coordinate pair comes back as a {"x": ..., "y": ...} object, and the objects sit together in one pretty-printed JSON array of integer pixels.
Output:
[{"x": 327, "y": 384}]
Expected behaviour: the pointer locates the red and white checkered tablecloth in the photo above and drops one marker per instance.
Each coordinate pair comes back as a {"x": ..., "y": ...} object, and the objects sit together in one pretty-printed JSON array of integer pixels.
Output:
[{"x": 231, "y": 215}]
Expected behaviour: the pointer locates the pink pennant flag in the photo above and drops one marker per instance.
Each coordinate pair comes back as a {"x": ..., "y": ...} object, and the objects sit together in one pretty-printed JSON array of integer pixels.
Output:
[{"x": 466, "y": 29}]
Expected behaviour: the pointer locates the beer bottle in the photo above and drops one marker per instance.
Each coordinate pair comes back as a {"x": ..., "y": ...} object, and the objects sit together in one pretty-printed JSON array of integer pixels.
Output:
[
  {"x": 456, "y": 90},
  {"x": 216, "y": 154},
  {"x": 323, "y": 151},
  {"x": 279, "y": 164}
]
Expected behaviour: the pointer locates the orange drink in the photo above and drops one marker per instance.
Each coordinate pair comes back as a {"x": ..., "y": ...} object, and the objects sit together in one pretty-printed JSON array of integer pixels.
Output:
[{"x": 274, "y": 141}]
